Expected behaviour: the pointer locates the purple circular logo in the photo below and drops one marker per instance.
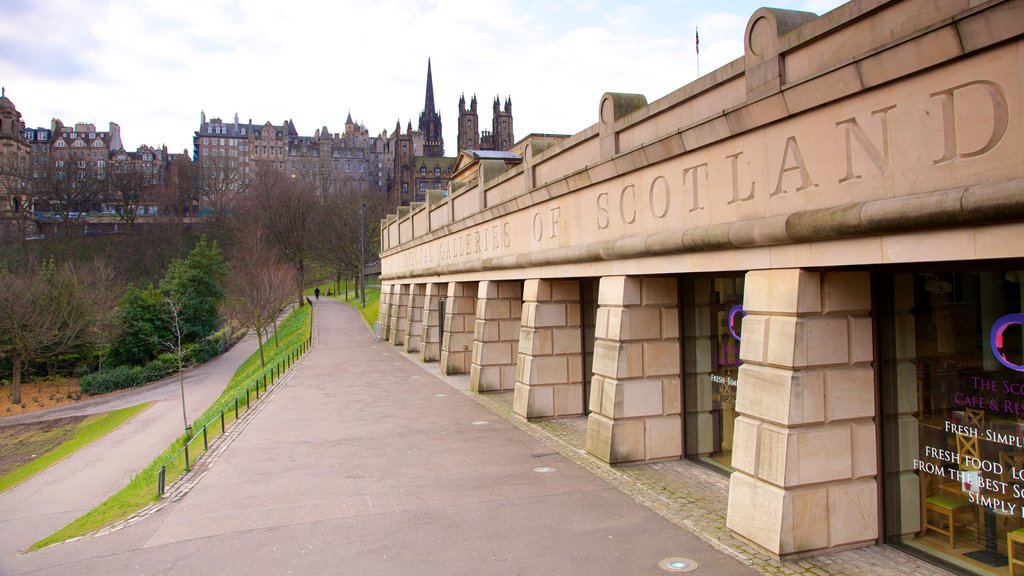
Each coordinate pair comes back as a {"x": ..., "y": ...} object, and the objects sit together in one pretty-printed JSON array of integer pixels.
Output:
[
  {"x": 996, "y": 339},
  {"x": 733, "y": 312}
]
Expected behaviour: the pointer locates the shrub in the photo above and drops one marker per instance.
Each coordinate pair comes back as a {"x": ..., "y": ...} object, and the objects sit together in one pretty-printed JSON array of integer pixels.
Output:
[
  {"x": 202, "y": 351},
  {"x": 113, "y": 379},
  {"x": 156, "y": 370}
]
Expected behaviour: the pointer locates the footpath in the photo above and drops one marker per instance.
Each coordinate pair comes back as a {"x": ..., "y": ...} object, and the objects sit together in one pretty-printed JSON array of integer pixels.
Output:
[
  {"x": 75, "y": 485},
  {"x": 364, "y": 462}
]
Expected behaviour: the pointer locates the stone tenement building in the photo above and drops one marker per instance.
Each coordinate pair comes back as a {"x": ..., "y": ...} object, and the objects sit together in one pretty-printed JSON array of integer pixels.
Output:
[
  {"x": 349, "y": 161},
  {"x": 803, "y": 270},
  {"x": 15, "y": 157}
]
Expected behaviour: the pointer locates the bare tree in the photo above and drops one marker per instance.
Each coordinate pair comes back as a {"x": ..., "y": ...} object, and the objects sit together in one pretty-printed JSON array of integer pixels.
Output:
[
  {"x": 175, "y": 344},
  {"x": 16, "y": 202},
  {"x": 222, "y": 182},
  {"x": 129, "y": 189},
  {"x": 260, "y": 286},
  {"x": 285, "y": 209},
  {"x": 47, "y": 311}
]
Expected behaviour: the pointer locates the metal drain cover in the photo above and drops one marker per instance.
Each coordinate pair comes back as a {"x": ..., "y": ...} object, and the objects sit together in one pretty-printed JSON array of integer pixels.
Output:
[{"x": 678, "y": 565}]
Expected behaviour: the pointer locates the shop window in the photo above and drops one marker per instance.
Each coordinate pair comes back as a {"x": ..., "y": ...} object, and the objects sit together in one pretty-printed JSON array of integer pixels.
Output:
[
  {"x": 952, "y": 394},
  {"x": 712, "y": 316}
]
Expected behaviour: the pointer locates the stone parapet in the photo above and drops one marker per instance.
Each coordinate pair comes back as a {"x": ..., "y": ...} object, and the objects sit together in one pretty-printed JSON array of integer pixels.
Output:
[{"x": 635, "y": 392}]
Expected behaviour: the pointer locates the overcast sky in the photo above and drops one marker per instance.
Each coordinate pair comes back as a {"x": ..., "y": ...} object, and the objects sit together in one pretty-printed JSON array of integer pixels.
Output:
[{"x": 153, "y": 66}]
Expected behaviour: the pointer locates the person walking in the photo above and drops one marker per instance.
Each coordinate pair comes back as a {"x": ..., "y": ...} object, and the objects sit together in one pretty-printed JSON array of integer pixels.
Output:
[{"x": 316, "y": 292}]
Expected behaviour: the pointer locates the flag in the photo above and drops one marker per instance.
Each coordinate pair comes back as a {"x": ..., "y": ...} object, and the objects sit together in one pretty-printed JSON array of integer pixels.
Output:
[{"x": 696, "y": 35}]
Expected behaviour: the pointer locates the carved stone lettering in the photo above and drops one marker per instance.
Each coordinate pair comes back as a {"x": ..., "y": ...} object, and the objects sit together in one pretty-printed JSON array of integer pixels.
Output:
[
  {"x": 629, "y": 191},
  {"x": 854, "y": 131},
  {"x": 602, "y": 211},
  {"x": 660, "y": 197},
  {"x": 1000, "y": 118},
  {"x": 793, "y": 161},
  {"x": 734, "y": 160},
  {"x": 696, "y": 183}
]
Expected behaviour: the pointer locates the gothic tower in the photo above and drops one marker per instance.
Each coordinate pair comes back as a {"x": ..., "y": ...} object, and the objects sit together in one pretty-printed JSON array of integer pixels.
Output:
[
  {"x": 501, "y": 125},
  {"x": 430, "y": 122},
  {"x": 469, "y": 137}
]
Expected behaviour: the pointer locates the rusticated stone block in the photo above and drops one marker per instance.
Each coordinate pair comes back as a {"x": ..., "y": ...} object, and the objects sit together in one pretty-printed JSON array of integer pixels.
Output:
[
  {"x": 744, "y": 449},
  {"x": 657, "y": 291},
  {"x": 661, "y": 358},
  {"x": 619, "y": 291},
  {"x": 568, "y": 400},
  {"x": 617, "y": 441},
  {"x": 790, "y": 292},
  {"x": 535, "y": 342},
  {"x": 853, "y": 512},
  {"x": 536, "y": 290},
  {"x": 849, "y": 393},
  {"x": 663, "y": 437},
  {"x": 618, "y": 360},
  {"x": 753, "y": 346},
  {"x": 846, "y": 293},
  {"x": 780, "y": 395},
  {"x": 801, "y": 342}
]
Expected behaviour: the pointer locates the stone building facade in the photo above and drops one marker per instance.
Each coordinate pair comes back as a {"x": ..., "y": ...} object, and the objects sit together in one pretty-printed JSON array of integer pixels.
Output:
[
  {"x": 802, "y": 270},
  {"x": 15, "y": 159}
]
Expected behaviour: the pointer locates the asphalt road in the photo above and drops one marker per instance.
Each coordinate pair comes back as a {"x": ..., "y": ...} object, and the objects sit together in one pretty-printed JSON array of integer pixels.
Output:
[{"x": 363, "y": 463}]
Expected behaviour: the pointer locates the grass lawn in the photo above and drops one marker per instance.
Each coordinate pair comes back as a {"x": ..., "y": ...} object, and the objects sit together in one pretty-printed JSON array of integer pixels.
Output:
[
  {"x": 142, "y": 490},
  {"x": 372, "y": 299},
  {"x": 89, "y": 430}
]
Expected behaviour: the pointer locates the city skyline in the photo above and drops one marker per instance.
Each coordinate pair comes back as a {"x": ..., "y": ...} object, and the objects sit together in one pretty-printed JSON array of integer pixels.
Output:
[{"x": 153, "y": 68}]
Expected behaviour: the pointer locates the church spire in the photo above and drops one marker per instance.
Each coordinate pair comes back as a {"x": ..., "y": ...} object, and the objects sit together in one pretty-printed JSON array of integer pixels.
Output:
[
  {"x": 430, "y": 121},
  {"x": 428, "y": 105}
]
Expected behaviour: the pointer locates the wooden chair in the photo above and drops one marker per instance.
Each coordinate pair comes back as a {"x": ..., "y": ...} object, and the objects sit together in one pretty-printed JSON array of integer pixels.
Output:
[
  {"x": 1010, "y": 461},
  {"x": 949, "y": 508},
  {"x": 953, "y": 505},
  {"x": 1015, "y": 537}
]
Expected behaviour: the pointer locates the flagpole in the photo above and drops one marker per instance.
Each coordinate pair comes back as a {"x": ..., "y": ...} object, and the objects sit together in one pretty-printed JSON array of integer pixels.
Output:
[{"x": 696, "y": 43}]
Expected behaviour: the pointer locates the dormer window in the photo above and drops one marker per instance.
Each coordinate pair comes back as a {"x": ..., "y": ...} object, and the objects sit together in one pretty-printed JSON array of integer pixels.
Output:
[
  {"x": 437, "y": 170},
  {"x": 423, "y": 170}
]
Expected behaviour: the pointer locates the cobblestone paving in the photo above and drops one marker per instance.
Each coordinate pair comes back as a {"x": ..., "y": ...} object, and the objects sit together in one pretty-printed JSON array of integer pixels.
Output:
[{"x": 696, "y": 498}]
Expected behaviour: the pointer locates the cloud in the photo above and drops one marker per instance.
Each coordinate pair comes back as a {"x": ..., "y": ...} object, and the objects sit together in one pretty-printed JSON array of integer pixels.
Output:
[{"x": 152, "y": 66}]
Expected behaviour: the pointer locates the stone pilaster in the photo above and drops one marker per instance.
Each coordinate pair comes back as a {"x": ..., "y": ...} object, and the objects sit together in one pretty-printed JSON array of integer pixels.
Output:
[
  {"x": 805, "y": 444},
  {"x": 415, "y": 318},
  {"x": 430, "y": 332},
  {"x": 635, "y": 391},
  {"x": 499, "y": 306},
  {"x": 399, "y": 314},
  {"x": 459, "y": 323},
  {"x": 549, "y": 370},
  {"x": 384, "y": 311}
]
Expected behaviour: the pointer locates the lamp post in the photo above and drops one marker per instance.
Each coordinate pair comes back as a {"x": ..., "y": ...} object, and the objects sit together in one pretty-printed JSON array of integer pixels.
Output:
[{"x": 362, "y": 256}]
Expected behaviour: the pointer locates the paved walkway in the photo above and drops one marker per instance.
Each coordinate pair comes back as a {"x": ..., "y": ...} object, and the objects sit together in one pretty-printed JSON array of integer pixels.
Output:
[
  {"x": 55, "y": 497},
  {"x": 363, "y": 463}
]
